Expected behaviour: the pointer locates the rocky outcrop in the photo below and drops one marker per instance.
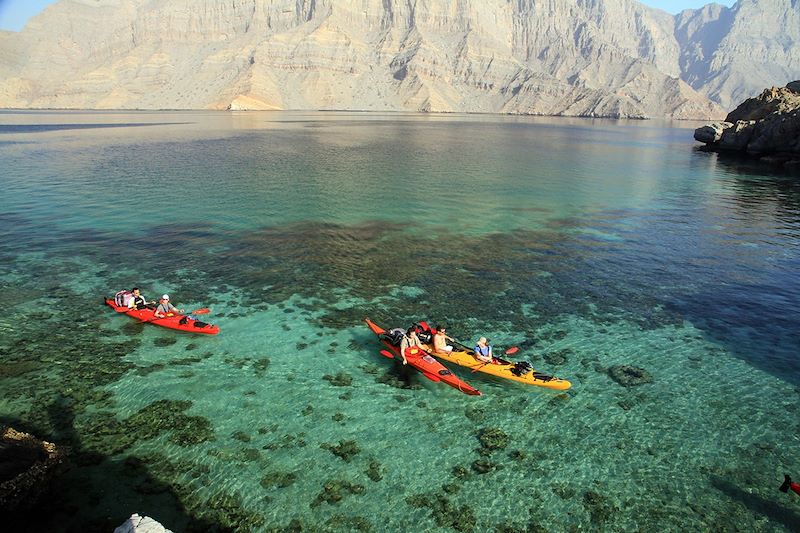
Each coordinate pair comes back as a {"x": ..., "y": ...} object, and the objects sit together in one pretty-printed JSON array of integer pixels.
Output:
[
  {"x": 711, "y": 133},
  {"x": 27, "y": 466},
  {"x": 610, "y": 58},
  {"x": 767, "y": 126},
  {"x": 141, "y": 524}
]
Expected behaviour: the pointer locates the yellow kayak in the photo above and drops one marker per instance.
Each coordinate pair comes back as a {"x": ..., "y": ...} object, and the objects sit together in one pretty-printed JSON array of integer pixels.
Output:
[{"x": 521, "y": 371}]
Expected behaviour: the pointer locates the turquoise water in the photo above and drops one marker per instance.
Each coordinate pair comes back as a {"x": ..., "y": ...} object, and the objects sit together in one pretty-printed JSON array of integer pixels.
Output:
[{"x": 590, "y": 244}]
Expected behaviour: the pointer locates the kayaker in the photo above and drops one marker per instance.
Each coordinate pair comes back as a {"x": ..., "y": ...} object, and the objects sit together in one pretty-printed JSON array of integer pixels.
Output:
[
  {"x": 440, "y": 339},
  {"x": 483, "y": 351},
  {"x": 138, "y": 301},
  {"x": 164, "y": 307},
  {"x": 409, "y": 339}
]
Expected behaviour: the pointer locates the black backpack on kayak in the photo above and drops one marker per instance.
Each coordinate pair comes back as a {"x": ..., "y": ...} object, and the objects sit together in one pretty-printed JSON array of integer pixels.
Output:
[
  {"x": 521, "y": 368},
  {"x": 424, "y": 332},
  {"x": 395, "y": 336}
]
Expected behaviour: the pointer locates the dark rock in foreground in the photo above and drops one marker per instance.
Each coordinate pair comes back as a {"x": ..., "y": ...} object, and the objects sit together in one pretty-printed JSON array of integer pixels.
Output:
[
  {"x": 767, "y": 127},
  {"x": 27, "y": 466}
]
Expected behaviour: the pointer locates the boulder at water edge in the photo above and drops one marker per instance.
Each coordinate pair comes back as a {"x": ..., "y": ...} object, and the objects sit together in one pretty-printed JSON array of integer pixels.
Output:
[{"x": 141, "y": 524}]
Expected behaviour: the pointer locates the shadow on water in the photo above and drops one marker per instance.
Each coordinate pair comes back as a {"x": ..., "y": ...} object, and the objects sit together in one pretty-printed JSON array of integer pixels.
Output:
[
  {"x": 751, "y": 323},
  {"x": 41, "y": 128},
  {"x": 97, "y": 492},
  {"x": 745, "y": 164},
  {"x": 746, "y": 313},
  {"x": 776, "y": 511}
]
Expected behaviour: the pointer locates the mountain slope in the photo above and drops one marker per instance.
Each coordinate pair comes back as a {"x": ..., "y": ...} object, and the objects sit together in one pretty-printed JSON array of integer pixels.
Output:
[
  {"x": 729, "y": 54},
  {"x": 581, "y": 58}
]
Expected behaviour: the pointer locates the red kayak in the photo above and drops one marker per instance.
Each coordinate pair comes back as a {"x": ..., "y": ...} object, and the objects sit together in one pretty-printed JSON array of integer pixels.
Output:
[
  {"x": 422, "y": 361},
  {"x": 171, "y": 321}
]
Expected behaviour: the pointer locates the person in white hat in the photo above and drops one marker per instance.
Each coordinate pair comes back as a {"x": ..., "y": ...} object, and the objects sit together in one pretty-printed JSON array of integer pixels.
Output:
[
  {"x": 483, "y": 351},
  {"x": 165, "y": 308}
]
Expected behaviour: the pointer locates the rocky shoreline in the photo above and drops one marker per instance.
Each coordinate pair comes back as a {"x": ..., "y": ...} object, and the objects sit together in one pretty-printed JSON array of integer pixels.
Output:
[{"x": 766, "y": 127}]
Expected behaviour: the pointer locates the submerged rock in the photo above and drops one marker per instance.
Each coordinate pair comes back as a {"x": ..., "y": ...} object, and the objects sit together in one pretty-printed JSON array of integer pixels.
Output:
[
  {"x": 341, "y": 379},
  {"x": 374, "y": 471},
  {"x": 767, "y": 127},
  {"x": 346, "y": 449},
  {"x": 444, "y": 512},
  {"x": 335, "y": 490},
  {"x": 278, "y": 479},
  {"x": 629, "y": 376},
  {"x": 493, "y": 439}
]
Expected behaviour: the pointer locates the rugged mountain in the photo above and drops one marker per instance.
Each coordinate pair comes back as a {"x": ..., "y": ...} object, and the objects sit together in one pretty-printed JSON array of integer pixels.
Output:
[
  {"x": 570, "y": 57},
  {"x": 729, "y": 54}
]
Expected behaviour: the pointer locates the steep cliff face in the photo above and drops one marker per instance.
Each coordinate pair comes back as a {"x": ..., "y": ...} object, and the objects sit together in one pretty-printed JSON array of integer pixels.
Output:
[
  {"x": 729, "y": 54},
  {"x": 570, "y": 57}
]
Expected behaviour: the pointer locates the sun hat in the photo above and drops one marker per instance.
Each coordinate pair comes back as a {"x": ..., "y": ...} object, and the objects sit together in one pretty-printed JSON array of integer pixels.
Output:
[
  {"x": 165, "y": 297},
  {"x": 482, "y": 340}
]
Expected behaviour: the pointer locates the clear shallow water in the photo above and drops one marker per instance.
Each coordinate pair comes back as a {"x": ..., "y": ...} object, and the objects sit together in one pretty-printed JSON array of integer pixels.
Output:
[{"x": 589, "y": 244}]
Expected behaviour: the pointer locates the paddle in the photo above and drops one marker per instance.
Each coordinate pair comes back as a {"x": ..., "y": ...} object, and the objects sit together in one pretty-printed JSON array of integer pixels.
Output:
[
  {"x": 789, "y": 484},
  {"x": 201, "y": 311},
  {"x": 509, "y": 351},
  {"x": 479, "y": 367}
]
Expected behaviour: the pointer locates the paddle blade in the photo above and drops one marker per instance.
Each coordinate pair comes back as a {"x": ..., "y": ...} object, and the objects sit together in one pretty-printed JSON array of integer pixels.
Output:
[
  {"x": 512, "y": 350},
  {"x": 387, "y": 353},
  {"x": 479, "y": 367},
  {"x": 205, "y": 311}
]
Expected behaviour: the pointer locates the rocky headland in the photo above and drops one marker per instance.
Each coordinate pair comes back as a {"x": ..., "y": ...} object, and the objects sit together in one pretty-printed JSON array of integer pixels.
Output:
[{"x": 766, "y": 127}]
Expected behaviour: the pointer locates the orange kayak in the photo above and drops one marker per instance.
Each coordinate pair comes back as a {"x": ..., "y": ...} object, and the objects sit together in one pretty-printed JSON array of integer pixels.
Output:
[
  {"x": 521, "y": 372},
  {"x": 422, "y": 361},
  {"x": 171, "y": 321}
]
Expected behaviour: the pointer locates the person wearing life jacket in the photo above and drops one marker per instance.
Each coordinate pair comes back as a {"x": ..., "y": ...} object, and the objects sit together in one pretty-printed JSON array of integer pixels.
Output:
[
  {"x": 789, "y": 484},
  {"x": 165, "y": 308},
  {"x": 483, "y": 350},
  {"x": 409, "y": 339},
  {"x": 137, "y": 301}
]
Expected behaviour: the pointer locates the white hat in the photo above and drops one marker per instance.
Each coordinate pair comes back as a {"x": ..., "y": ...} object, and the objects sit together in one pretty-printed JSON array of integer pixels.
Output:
[
  {"x": 482, "y": 341},
  {"x": 165, "y": 297}
]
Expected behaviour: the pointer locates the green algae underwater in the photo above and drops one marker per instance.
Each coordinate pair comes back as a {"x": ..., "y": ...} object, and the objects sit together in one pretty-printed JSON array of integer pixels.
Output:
[{"x": 587, "y": 250}]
